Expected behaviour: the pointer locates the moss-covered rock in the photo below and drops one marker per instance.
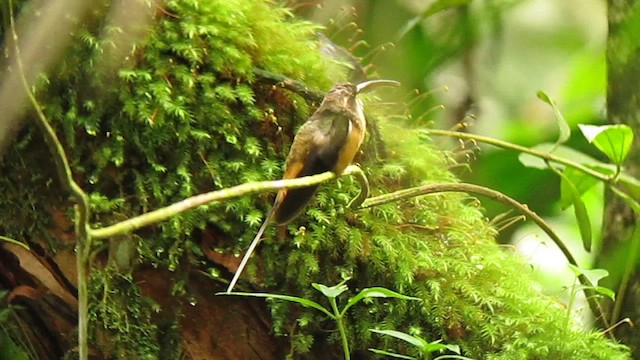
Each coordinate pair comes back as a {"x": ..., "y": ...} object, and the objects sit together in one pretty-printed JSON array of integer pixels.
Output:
[{"x": 185, "y": 113}]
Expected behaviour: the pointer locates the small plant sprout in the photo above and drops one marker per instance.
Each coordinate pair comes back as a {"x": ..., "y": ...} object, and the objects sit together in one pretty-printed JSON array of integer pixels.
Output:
[{"x": 331, "y": 293}]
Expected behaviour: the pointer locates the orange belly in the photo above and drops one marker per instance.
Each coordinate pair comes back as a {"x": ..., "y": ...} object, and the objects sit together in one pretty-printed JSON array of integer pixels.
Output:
[{"x": 350, "y": 148}]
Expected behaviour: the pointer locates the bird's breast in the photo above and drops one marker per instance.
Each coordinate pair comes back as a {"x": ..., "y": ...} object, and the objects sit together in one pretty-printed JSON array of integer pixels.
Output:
[{"x": 354, "y": 139}]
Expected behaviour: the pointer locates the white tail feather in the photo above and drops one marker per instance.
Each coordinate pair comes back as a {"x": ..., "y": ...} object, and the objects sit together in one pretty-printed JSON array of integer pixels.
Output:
[{"x": 250, "y": 251}]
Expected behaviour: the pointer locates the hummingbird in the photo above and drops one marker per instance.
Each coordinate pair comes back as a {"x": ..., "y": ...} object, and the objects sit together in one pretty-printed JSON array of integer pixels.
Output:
[{"x": 328, "y": 141}]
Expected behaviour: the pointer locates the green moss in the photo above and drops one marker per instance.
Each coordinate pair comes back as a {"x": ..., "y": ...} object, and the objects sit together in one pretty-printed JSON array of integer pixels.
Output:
[
  {"x": 185, "y": 114},
  {"x": 125, "y": 328},
  {"x": 438, "y": 248}
]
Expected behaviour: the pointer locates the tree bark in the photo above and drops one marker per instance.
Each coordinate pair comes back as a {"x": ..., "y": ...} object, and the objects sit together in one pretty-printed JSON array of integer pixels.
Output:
[{"x": 623, "y": 107}]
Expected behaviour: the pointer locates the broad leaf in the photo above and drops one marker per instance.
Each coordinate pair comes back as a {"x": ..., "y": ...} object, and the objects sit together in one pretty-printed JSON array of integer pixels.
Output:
[
  {"x": 299, "y": 300},
  {"x": 580, "y": 210},
  {"x": 600, "y": 290},
  {"x": 613, "y": 140},
  {"x": 424, "y": 346},
  {"x": 331, "y": 292},
  {"x": 11, "y": 350},
  {"x": 413, "y": 340},
  {"x": 4, "y": 314},
  {"x": 594, "y": 275},
  {"x": 606, "y": 292},
  {"x": 436, "y": 346},
  {"x": 581, "y": 181},
  {"x": 563, "y": 126},
  {"x": 376, "y": 292},
  {"x": 453, "y": 348},
  {"x": 437, "y": 6}
]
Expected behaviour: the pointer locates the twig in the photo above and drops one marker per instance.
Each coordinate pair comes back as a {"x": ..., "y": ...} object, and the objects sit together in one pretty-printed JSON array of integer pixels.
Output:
[
  {"x": 507, "y": 145},
  {"x": 297, "y": 87},
  {"x": 364, "y": 189},
  {"x": 500, "y": 197},
  {"x": 165, "y": 213},
  {"x": 66, "y": 180}
]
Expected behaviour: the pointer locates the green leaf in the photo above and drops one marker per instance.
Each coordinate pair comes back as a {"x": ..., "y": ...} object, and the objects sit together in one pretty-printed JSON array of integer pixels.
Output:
[
  {"x": 563, "y": 126},
  {"x": 580, "y": 210},
  {"x": 599, "y": 289},
  {"x": 377, "y": 292},
  {"x": 581, "y": 181},
  {"x": 613, "y": 140},
  {"x": 436, "y": 7},
  {"x": 413, "y": 340},
  {"x": 453, "y": 348},
  {"x": 10, "y": 350},
  {"x": 301, "y": 301},
  {"x": 435, "y": 346},
  {"x": 594, "y": 275},
  {"x": 331, "y": 292},
  {"x": 388, "y": 353},
  {"x": 606, "y": 292},
  {"x": 4, "y": 314}
]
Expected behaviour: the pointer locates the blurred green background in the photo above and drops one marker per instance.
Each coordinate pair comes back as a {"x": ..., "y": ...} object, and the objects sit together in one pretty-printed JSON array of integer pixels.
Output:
[{"x": 484, "y": 61}]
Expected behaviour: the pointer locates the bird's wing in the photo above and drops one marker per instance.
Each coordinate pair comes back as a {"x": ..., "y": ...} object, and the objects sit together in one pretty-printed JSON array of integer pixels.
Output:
[
  {"x": 315, "y": 150},
  {"x": 331, "y": 140},
  {"x": 317, "y": 145}
]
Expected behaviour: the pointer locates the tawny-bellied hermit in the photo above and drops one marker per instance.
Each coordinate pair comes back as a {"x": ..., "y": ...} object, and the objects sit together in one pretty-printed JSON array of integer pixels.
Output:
[{"x": 328, "y": 141}]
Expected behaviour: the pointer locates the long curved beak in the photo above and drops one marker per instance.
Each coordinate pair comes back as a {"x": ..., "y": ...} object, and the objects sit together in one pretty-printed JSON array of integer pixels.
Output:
[{"x": 373, "y": 84}]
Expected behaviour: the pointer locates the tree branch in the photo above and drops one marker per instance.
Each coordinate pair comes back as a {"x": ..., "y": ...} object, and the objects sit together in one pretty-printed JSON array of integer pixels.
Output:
[
  {"x": 297, "y": 87},
  {"x": 165, "y": 213}
]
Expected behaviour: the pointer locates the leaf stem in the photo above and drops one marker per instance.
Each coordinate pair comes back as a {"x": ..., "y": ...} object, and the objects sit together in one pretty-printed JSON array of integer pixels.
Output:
[
  {"x": 343, "y": 332},
  {"x": 572, "y": 297}
]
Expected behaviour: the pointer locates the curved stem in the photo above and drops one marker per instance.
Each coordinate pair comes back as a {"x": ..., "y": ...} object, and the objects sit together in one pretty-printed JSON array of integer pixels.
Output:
[
  {"x": 364, "y": 189},
  {"x": 15, "y": 242},
  {"x": 507, "y": 145},
  {"x": 500, "y": 197},
  {"x": 65, "y": 176}
]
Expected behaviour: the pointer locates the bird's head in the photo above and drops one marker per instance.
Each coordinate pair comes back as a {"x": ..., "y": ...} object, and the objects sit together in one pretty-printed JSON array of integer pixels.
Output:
[{"x": 344, "y": 94}]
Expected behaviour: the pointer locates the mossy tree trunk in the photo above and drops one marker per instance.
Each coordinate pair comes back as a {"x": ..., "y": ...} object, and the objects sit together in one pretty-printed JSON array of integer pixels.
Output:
[
  {"x": 186, "y": 111},
  {"x": 623, "y": 107}
]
